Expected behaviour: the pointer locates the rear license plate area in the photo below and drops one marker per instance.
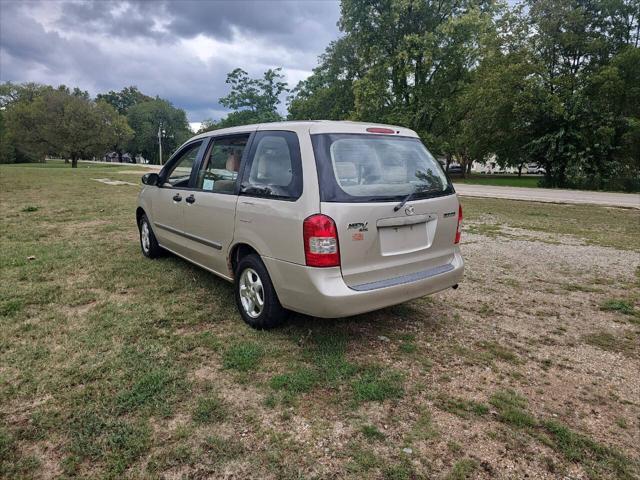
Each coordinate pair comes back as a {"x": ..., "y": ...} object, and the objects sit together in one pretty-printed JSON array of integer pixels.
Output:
[{"x": 404, "y": 239}]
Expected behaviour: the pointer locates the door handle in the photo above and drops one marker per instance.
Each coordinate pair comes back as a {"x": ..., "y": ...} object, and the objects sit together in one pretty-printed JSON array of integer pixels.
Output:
[
  {"x": 177, "y": 198},
  {"x": 190, "y": 199}
]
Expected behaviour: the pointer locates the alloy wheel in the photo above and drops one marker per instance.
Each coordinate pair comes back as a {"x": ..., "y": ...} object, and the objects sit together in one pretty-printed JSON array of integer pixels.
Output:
[{"x": 251, "y": 293}]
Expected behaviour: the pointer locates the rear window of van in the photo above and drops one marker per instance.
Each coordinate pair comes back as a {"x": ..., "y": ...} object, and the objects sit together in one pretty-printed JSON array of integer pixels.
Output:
[{"x": 376, "y": 168}]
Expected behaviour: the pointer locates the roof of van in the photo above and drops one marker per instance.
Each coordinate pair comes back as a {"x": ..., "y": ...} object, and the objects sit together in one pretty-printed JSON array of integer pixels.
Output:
[{"x": 313, "y": 127}]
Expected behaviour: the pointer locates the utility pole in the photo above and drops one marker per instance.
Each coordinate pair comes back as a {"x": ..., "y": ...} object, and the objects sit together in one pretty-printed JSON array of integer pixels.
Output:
[{"x": 160, "y": 132}]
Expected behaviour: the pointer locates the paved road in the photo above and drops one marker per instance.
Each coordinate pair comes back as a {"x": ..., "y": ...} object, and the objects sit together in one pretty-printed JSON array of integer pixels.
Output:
[{"x": 549, "y": 195}]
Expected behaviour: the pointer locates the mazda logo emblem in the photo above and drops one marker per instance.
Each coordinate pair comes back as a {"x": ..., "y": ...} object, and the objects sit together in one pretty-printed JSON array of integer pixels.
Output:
[{"x": 409, "y": 210}]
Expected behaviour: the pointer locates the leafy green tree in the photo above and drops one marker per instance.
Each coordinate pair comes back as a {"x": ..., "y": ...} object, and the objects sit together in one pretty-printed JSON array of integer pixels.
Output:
[
  {"x": 254, "y": 94},
  {"x": 60, "y": 122},
  {"x": 402, "y": 62},
  {"x": 207, "y": 126},
  {"x": 328, "y": 93},
  {"x": 571, "y": 41},
  {"x": 13, "y": 95},
  {"x": 146, "y": 118},
  {"x": 7, "y": 150},
  {"x": 253, "y": 100},
  {"x": 123, "y": 100}
]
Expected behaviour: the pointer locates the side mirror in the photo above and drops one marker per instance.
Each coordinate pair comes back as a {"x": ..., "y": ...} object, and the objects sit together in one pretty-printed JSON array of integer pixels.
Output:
[{"x": 151, "y": 179}]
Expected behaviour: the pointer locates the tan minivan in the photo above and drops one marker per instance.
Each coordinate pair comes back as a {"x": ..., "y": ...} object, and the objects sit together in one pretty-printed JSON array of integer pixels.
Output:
[{"x": 329, "y": 219}]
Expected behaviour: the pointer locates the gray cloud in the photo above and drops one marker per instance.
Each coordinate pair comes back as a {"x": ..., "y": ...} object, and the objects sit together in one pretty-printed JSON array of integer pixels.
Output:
[{"x": 178, "y": 50}]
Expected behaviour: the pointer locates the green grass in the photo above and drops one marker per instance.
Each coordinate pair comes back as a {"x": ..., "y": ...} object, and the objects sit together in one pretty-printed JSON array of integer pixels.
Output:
[
  {"x": 374, "y": 385},
  {"x": 371, "y": 432},
  {"x": 460, "y": 407},
  {"x": 619, "y": 305},
  {"x": 463, "y": 469},
  {"x": 324, "y": 365},
  {"x": 496, "y": 351},
  {"x": 598, "y": 460},
  {"x": 423, "y": 429},
  {"x": 530, "y": 181},
  {"x": 612, "y": 342},
  {"x": 210, "y": 409},
  {"x": 362, "y": 460},
  {"x": 398, "y": 471},
  {"x": 243, "y": 356},
  {"x": 511, "y": 409},
  {"x": 300, "y": 380},
  {"x": 220, "y": 449}
]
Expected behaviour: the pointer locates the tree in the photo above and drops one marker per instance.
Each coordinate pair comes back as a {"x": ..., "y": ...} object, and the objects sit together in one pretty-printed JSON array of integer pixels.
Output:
[
  {"x": 15, "y": 96},
  {"x": 67, "y": 124},
  {"x": 207, "y": 126},
  {"x": 118, "y": 136},
  {"x": 146, "y": 118},
  {"x": 254, "y": 100},
  {"x": 328, "y": 93},
  {"x": 123, "y": 100},
  {"x": 402, "y": 62}
]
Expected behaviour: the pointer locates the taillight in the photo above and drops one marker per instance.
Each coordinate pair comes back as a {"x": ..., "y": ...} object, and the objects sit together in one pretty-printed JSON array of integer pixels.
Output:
[
  {"x": 458, "y": 232},
  {"x": 320, "y": 241}
]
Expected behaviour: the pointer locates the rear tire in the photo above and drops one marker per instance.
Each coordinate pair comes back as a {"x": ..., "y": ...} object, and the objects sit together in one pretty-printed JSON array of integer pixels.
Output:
[
  {"x": 256, "y": 298},
  {"x": 148, "y": 242}
]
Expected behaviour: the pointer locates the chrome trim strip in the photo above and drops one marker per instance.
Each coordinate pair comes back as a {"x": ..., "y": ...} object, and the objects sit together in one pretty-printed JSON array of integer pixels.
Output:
[
  {"x": 195, "y": 238},
  {"x": 412, "y": 277},
  {"x": 401, "y": 221}
]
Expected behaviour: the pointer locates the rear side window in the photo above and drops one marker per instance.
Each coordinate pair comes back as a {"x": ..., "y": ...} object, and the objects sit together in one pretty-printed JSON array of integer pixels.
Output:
[
  {"x": 274, "y": 168},
  {"x": 376, "y": 168}
]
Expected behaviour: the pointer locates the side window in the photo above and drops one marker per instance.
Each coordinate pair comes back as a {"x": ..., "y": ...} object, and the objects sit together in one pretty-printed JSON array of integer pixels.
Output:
[
  {"x": 275, "y": 169},
  {"x": 181, "y": 170},
  {"x": 220, "y": 167}
]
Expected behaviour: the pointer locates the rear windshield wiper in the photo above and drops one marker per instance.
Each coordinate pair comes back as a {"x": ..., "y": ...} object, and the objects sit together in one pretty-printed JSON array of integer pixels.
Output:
[{"x": 405, "y": 200}]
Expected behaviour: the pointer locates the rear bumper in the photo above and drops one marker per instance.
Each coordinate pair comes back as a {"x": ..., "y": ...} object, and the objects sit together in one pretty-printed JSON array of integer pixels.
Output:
[{"x": 321, "y": 292}]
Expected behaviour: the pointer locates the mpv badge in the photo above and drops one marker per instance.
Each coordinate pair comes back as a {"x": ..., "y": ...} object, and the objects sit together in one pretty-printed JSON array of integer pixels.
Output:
[
  {"x": 409, "y": 210},
  {"x": 360, "y": 226}
]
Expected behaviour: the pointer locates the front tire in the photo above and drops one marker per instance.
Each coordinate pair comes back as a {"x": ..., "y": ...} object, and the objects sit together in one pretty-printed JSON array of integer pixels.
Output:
[
  {"x": 148, "y": 242},
  {"x": 255, "y": 296}
]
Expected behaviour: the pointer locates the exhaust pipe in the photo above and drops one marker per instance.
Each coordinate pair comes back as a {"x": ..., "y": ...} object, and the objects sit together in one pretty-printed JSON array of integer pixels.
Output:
[{"x": 455, "y": 287}]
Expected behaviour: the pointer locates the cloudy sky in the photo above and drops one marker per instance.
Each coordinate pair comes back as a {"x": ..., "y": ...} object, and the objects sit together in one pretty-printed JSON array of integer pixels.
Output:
[{"x": 180, "y": 50}]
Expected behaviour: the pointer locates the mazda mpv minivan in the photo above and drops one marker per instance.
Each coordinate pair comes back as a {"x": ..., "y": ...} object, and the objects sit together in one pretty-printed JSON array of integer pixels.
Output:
[{"x": 329, "y": 219}]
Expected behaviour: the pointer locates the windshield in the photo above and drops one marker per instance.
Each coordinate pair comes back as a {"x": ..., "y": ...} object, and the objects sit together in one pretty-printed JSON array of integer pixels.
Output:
[{"x": 370, "y": 168}]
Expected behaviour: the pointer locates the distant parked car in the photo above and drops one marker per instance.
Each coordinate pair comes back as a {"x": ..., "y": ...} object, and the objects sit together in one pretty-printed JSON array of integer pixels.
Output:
[
  {"x": 535, "y": 169},
  {"x": 329, "y": 219},
  {"x": 455, "y": 169}
]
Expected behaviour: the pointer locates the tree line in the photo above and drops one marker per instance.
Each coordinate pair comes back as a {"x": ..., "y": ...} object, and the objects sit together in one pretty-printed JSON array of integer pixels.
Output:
[{"x": 37, "y": 121}]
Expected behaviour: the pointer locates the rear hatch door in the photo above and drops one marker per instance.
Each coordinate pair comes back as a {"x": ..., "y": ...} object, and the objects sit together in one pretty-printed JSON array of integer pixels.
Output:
[{"x": 363, "y": 179}]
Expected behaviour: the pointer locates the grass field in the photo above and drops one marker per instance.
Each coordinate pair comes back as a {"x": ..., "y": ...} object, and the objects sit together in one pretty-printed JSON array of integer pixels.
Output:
[
  {"x": 113, "y": 365},
  {"x": 530, "y": 181}
]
